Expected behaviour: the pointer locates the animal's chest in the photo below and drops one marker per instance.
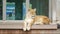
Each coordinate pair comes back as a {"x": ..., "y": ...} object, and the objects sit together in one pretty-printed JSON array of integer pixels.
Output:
[{"x": 28, "y": 20}]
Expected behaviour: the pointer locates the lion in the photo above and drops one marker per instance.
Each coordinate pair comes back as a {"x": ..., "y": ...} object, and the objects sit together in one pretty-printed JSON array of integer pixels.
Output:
[{"x": 32, "y": 18}]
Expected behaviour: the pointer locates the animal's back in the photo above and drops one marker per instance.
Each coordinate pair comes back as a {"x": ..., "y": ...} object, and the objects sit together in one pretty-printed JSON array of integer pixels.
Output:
[{"x": 41, "y": 19}]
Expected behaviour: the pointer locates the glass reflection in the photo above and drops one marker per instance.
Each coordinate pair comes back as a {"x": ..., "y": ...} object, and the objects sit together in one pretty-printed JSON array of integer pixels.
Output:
[{"x": 14, "y": 10}]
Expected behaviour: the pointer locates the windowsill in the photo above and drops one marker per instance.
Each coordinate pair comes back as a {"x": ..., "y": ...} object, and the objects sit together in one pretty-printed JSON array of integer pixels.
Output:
[
  {"x": 19, "y": 25},
  {"x": 11, "y": 24}
]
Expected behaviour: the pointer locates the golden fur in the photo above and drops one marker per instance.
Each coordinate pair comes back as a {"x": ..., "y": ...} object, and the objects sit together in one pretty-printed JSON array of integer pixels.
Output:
[{"x": 32, "y": 18}]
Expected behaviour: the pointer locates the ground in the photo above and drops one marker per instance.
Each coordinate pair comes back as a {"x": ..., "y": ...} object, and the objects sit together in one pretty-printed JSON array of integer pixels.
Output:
[{"x": 18, "y": 31}]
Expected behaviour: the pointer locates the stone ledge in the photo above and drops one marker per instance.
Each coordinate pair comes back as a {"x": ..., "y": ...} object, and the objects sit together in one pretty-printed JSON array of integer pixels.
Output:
[
  {"x": 51, "y": 26},
  {"x": 20, "y": 26}
]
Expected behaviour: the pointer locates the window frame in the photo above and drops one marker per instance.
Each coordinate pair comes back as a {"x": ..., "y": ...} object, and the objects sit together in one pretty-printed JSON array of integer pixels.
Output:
[{"x": 10, "y": 23}]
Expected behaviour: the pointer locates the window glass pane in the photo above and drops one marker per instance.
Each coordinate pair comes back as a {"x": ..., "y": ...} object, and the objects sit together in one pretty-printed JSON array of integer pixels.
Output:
[
  {"x": 24, "y": 9},
  {"x": 14, "y": 9},
  {"x": 1, "y": 5},
  {"x": 42, "y": 6}
]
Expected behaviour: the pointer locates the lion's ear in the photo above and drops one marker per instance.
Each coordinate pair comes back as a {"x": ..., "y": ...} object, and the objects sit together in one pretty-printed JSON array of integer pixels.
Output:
[{"x": 34, "y": 9}]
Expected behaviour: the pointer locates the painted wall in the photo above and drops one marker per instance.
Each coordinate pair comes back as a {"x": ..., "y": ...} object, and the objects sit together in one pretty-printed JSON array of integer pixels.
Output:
[{"x": 58, "y": 11}]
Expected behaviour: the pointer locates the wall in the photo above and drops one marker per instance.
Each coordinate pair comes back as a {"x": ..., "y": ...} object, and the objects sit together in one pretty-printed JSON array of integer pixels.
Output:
[{"x": 58, "y": 11}]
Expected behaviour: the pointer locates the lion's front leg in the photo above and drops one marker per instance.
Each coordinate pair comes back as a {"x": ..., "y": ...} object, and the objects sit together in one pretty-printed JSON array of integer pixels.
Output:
[
  {"x": 29, "y": 25},
  {"x": 25, "y": 26}
]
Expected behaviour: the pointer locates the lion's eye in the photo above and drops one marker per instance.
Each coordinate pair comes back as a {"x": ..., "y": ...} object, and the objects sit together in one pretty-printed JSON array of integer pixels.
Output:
[{"x": 33, "y": 16}]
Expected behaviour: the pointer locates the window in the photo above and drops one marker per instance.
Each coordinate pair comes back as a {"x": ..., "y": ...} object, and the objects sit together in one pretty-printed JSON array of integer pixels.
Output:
[
  {"x": 17, "y": 9},
  {"x": 1, "y": 5},
  {"x": 42, "y": 6}
]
